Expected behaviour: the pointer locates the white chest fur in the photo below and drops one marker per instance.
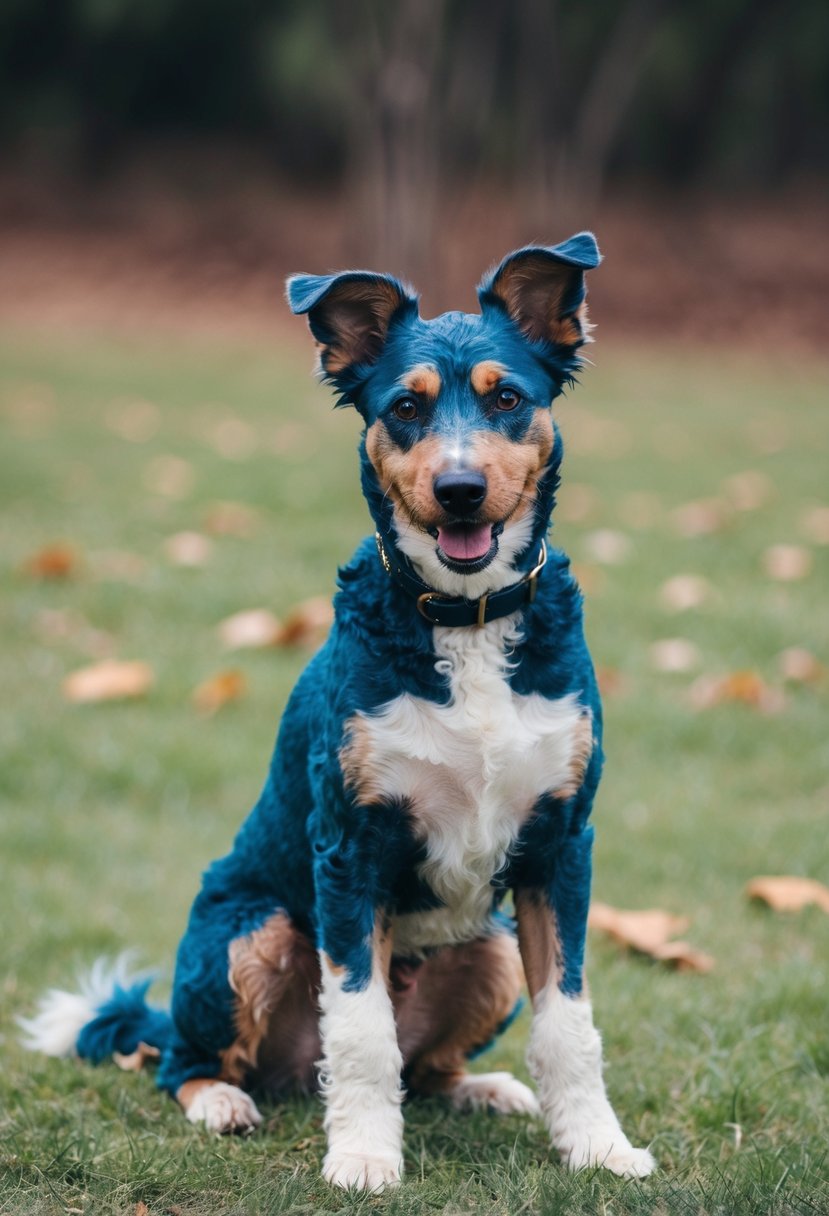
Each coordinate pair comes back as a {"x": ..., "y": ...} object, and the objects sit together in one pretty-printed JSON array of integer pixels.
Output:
[{"x": 471, "y": 772}]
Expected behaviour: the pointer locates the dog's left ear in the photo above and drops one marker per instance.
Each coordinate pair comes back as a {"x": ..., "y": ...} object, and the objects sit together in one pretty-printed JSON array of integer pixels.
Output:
[
  {"x": 542, "y": 289},
  {"x": 349, "y": 314}
]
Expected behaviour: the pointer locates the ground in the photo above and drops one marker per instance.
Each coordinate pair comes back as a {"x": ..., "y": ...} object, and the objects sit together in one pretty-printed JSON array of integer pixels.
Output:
[{"x": 111, "y": 810}]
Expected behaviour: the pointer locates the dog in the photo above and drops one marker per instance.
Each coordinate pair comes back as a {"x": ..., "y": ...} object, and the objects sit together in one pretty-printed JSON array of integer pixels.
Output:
[{"x": 440, "y": 751}]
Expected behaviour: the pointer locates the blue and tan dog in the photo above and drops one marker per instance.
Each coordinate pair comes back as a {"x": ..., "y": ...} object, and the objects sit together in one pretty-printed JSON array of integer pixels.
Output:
[{"x": 441, "y": 750}]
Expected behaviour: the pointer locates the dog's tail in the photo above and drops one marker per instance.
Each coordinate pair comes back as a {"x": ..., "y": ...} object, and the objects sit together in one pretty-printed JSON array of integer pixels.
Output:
[{"x": 108, "y": 1014}]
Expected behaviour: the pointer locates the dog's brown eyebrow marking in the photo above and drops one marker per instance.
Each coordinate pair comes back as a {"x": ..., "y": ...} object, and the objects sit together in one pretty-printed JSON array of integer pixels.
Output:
[
  {"x": 423, "y": 379},
  {"x": 484, "y": 376}
]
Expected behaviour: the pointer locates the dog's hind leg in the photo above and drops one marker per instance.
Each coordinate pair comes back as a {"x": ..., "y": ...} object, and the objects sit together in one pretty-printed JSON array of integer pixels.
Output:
[{"x": 463, "y": 997}]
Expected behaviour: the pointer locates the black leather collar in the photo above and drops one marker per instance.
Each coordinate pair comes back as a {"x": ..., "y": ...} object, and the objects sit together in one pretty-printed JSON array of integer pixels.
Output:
[{"x": 440, "y": 609}]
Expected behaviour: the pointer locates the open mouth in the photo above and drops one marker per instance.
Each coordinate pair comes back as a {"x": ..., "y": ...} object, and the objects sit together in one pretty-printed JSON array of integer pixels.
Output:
[{"x": 468, "y": 547}]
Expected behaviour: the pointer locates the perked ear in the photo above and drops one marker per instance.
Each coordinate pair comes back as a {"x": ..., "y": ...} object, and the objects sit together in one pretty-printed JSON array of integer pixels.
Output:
[
  {"x": 542, "y": 289},
  {"x": 349, "y": 314}
]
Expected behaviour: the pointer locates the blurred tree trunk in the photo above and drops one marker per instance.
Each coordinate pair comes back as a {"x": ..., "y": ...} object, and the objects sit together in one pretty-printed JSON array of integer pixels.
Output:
[
  {"x": 572, "y": 133},
  {"x": 394, "y": 131}
]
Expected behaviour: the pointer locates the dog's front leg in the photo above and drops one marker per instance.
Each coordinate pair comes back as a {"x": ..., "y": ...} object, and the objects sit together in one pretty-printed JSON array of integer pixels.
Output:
[
  {"x": 565, "y": 1052},
  {"x": 361, "y": 1066}
]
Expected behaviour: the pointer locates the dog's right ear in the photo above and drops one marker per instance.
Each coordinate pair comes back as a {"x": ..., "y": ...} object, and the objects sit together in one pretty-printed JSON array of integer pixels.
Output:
[{"x": 349, "y": 314}]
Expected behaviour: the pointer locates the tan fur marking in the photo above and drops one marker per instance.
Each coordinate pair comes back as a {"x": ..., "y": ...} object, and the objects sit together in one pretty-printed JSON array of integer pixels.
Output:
[
  {"x": 407, "y": 477},
  {"x": 582, "y": 751},
  {"x": 538, "y": 940},
  {"x": 512, "y": 469},
  {"x": 463, "y": 994},
  {"x": 358, "y": 763},
  {"x": 191, "y": 1089},
  {"x": 423, "y": 379},
  {"x": 261, "y": 970},
  {"x": 484, "y": 376}
]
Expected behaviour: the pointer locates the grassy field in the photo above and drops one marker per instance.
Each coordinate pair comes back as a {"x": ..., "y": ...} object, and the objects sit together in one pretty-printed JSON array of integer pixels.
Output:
[{"x": 110, "y": 811}]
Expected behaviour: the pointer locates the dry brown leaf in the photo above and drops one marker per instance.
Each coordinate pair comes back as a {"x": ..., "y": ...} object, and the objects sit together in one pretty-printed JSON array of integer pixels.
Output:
[
  {"x": 134, "y": 420},
  {"x": 253, "y": 628},
  {"x": 674, "y": 655},
  {"x": 611, "y": 682},
  {"x": 231, "y": 519},
  {"x": 188, "y": 549},
  {"x": 607, "y": 546},
  {"x": 577, "y": 502},
  {"x": 233, "y": 438},
  {"x": 52, "y": 562},
  {"x": 789, "y": 893},
  {"x": 141, "y": 1209},
  {"x": 307, "y": 624},
  {"x": 216, "y": 691},
  {"x": 170, "y": 476},
  {"x": 109, "y": 680},
  {"x": 787, "y": 563},
  {"x": 136, "y": 1060},
  {"x": 800, "y": 666},
  {"x": 701, "y": 518},
  {"x": 743, "y": 687},
  {"x": 640, "y": 509},
  {"x": 748, "y": 491},
  {"x": 685, "y": 591},
  {"x": 814, "y": 523},
  {"x": 591, "y": 579},
  {"x": 649, "y": 932},
  {"x": 118, "y": 565}
]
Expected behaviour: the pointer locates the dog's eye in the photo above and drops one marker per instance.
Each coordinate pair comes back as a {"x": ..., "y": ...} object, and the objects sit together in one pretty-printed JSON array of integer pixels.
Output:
[
  {"x": 405, "y": 409},
  {"x": 507, "y": 399}
]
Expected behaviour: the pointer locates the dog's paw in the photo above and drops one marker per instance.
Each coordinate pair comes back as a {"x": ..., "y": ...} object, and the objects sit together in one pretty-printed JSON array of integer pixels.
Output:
[
  {"x": 612, "y": 1153},
  {"x": 353, "y": 1171},
  {"x": 498, "y": 1091},
  {"x": 224, "y": 1108}
]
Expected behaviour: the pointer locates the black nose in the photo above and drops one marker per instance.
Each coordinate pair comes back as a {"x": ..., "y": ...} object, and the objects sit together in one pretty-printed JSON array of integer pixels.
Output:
[{"x": 460, "y": 493}]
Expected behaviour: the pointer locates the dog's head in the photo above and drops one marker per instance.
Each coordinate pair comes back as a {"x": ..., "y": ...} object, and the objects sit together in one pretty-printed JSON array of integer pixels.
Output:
[{"x": 460, "y": 453}]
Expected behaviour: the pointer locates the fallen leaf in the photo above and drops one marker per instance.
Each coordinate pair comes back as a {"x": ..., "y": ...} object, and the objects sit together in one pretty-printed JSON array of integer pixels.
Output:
[
  {"x": 233, "y": 438},
  {"x": 231, "y": 519},
  {"x": 640, "y": 509},
  {"x": 685, "y": 591},
  {"x": 649, "y": 932},
  {"x": 789, "y": 893},
  {"x": 52, "y": 562},
  {"x": 135, "y": 1061},
  {"x": 607, "y": 546},
  {"x": 577, "y": 502},
  {"x": 170, "y": 476},
  {"x": 118, "y": 565},
  {"x": 611, "y": 682},
  {"x": 62, "y": 625},
  {"x": 109, "y": 680},
  {"x": 141, "y": 1209},
  {"x": 787, "y": 563},
  {"x": 674, "y": 655},
  {"x": 814, "y": 523},
  {"x": 702, "y": 518},
  {"x": 253, "y": 628},
  {"x": 188, "y": 549},
  {"x": 307, "y": 624},
  {"x": 743, "y": 687},
  {"x": 218, "y": 690},
  {"x": 134, "y": 420},
  {"x": 800, "y": 666},
  {"x": 748, "y": 491}
]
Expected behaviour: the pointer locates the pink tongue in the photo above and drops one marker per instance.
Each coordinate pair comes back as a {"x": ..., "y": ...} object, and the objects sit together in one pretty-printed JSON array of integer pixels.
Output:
[{"x": 465, "y": 543}]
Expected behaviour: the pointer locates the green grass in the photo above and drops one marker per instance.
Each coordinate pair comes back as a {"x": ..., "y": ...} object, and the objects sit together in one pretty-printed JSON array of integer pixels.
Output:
[{"x": 110, "y": 812}]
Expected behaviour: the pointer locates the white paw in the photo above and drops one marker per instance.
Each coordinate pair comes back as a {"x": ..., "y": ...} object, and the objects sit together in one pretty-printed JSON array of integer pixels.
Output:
[
  {"x": 353, "y": 1171},
  {"x": 224, "y": 1108},
  {"x": 498, "y": 1091},
  {"x": 617, "y": 1155}
]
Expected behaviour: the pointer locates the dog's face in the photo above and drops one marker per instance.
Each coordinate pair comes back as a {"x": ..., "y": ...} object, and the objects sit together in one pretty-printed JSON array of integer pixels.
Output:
[{"x": 459, "y": 437}]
